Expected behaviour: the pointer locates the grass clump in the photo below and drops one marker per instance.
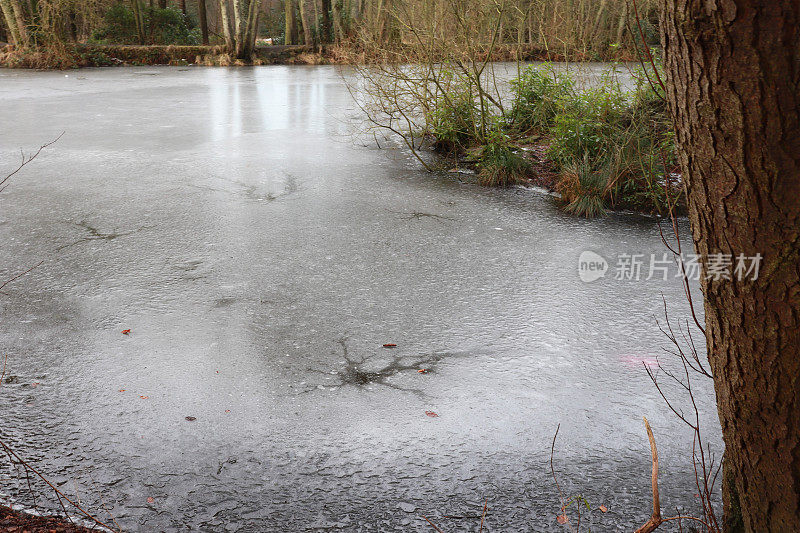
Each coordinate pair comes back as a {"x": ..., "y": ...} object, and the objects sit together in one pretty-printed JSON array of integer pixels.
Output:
[{"x": 500, "y": 165}]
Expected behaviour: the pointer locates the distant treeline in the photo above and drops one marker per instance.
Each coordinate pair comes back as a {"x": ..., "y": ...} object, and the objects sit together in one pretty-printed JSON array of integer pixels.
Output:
[{"x": 559, "y": 25}]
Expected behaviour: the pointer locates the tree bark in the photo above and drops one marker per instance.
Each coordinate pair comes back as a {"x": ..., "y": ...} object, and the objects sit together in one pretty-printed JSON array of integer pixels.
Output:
[
  {"x": 290, "y": 30},
  {"x": 227, "y": 30},
  {"x": 162, "y": 4},
  {"x": 308, "y": 36},
  {"x": 136, "y": 7},
  {"x": 11, "y": 23},
  {"x": 326, "y": 21},
  {"x": 202, "y": 14},
  {"x": 733, "y": 85}
]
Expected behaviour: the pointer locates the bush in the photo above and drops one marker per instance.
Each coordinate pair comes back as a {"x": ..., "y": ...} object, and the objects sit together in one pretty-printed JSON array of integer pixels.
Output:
[
  {"x": 162, "y": 26},
  {"x": 453, "y": 121},
  {"x": 622, "y": 144},
  {"x": 585, "y": 123},
  {"x": 538, "y": 93}
]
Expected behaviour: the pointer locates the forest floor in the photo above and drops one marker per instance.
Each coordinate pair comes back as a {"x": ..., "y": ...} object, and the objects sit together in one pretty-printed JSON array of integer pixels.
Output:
[{"x": 18, "y": 522}]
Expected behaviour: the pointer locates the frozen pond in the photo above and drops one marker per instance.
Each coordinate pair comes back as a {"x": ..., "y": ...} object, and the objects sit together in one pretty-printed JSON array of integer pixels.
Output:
[{"x": 261, "y": 257}]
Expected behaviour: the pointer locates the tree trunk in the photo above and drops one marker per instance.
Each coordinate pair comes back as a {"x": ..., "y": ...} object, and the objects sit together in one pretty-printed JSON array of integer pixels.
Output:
[
  {"x": 308, "y": 36},
  {"x": 225, "y": 20},
  {"x": 326, "y": 21},
  {"x": 290, "y": 30},
  {"x": 182, "y": 5},
  {"x": 138, "y": 19},
  {"x": 733, "y": 84},
  {"x": 337, "y": 22},
  {"x": 202, "y": 14},
  {"x": 11, "y": 23},
  {"x": 162, "y": 4}
]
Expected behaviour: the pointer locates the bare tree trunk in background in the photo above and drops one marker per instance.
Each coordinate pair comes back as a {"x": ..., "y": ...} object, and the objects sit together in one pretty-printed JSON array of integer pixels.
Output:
[
  {"x": 136, "y": 7},
  {"x": 73, "y": 26},
  {"x": 19, "y": 18},
  {"x": 308, "y": 36},
  {"x": 250, "y": 34},
  {"x": 162, "y": 4},
  {"x": 623, "y": 22},
  {"x": 202, "y": 14},
  {"x": 290, "y": 29},
  {"x": 11, "y": 22},
  {"x": 225, "y": 20},
  {"x": 733, "y": 84},
  {"x": 337, "y": 22},
  {"x": 240, "y": 25},
  {"x": 182, "y": 4},
  {"x": 326, "y": 21}
]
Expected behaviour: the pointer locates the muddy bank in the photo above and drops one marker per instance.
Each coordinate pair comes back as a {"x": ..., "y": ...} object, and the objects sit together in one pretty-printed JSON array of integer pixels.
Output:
[{"x": 16, "y": 521}]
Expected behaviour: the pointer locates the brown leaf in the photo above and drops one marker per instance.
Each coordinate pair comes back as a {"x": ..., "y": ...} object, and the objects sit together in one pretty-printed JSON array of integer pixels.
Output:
[
  {"x": 431, "y": 414},
  {"x": 562, "y": 519},
  {"x": 190, "y": 419},
  {"x": 390, "y": 345},
  {"x": 603, "y": 508},
  {"x": 144, "y": 397},
  {"x": 423, "y": 370},
  {"x": 150, "y": 499},
  {"x": 125, "y": 331}
]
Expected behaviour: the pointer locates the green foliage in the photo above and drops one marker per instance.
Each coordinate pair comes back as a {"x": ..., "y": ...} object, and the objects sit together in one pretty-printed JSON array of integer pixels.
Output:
[
  {"x": 453, "y": 120},
  {"x": 623, "y": 140},
  {"x": 500, "y": 165},
  {"x": 162, "y": 26},
  {"x": 538, "y": 93},
  {"x": 585, "y": 122}
]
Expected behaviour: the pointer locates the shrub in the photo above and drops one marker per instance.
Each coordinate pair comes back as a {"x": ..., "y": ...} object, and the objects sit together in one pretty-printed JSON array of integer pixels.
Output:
[
  {"x": 162, "y": 26},
  {"x": 453, "y": 121},
  {"x": 538, "y": 93},
  {"x": 585, "y": 123}
]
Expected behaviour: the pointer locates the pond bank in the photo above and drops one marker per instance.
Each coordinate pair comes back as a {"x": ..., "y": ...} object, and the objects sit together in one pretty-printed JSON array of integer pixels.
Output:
[
  {"x": 80, "y": 55},
  {"x": 16, "y": 521}
]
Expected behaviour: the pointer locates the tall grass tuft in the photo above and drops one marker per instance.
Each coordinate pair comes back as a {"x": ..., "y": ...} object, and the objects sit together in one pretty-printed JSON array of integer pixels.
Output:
[{"x": 500, "y": 165}]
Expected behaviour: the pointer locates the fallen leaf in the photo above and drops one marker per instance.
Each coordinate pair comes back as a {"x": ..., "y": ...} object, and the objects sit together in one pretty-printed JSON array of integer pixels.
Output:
[
  {"x": 34, "y": 385},
  {"x": 144, "y": 397},
  {"x": 150, "y": 499},
  {"x": 227, "y": 410},
  {"x": 125, "y": 331},
  {"x": 603, "y": 508},
  {"x": 562, "y": 519},
  {"x": 390, "y": 345},
  {"x": 431, "y": 414},
  {"x": 122, "y": 390},
  {"x": 423, "y": 370},
  {"x": 191, "y": 418}
]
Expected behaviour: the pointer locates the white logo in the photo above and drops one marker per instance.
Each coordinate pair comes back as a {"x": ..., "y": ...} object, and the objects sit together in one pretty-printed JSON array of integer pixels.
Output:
[{"x": 591, "y": 266}]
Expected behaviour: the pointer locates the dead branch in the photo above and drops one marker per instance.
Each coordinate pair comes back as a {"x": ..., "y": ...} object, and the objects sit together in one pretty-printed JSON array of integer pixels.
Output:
[
  {"x": 27, "y": 159},
  {"x": 20, "y": 275},
  {"x": 655, "y": 519},
  {"x": 60, "y": 495}
]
